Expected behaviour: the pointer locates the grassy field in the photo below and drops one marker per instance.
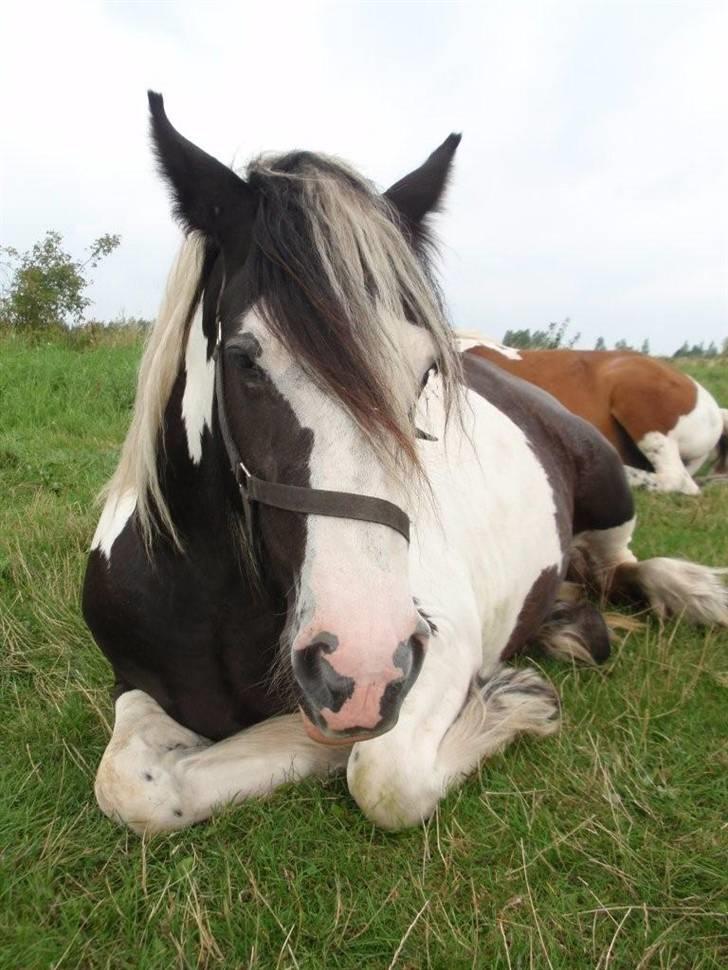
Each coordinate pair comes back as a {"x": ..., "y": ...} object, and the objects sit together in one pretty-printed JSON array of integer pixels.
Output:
[{"x": 602, "y": 848}]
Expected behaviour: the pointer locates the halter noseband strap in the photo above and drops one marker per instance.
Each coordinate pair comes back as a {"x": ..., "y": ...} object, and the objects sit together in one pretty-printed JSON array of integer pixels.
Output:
[{"x": 292, "y": 498}]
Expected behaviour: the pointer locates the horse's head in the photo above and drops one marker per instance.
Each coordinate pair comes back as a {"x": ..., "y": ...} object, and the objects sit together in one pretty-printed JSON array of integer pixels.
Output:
[{"x": 329, "y": 327}]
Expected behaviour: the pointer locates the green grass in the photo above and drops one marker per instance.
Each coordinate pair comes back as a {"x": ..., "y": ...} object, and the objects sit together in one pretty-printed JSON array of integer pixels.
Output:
[{"x": 604, "y": 847}]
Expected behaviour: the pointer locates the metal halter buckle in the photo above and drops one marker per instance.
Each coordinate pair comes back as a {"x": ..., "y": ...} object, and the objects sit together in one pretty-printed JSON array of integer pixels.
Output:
[{"x": 241, "y": 468}]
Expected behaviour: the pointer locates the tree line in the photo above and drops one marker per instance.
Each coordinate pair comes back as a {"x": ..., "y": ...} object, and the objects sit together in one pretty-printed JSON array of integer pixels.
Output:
[
  {"x": 45, "y": 289},
  {"x": 556, "y": 336}
]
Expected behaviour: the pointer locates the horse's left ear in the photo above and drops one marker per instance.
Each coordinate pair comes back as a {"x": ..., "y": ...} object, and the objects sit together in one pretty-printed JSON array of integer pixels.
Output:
[
  {"x": 422, "y": 191},
  {"x": 208, "y": 196}
]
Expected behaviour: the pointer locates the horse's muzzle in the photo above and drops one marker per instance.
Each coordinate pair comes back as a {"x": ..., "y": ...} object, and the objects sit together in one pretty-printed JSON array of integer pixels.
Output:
[{"x": 344, "y": 709}]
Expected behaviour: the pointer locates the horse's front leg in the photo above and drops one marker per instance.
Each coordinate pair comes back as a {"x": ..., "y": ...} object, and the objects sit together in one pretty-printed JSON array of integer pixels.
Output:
[
  {"x": 156, "y": 775},
  {"x": 670, "y": 474},
  {"x": 451, "y": 720}
]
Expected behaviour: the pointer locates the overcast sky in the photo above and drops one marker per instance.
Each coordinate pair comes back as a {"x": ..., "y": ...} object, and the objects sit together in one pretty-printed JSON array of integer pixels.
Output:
[{"x": 591, "y": 182}]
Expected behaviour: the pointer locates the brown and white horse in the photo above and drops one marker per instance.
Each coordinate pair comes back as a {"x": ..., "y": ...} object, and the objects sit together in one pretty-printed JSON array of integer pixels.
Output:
[{"x": 663, "y": 423}]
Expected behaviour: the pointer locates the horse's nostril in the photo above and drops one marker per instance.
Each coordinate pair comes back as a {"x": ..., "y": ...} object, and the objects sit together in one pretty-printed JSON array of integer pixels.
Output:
[
  {"x": 408, "y": 657},
  {"x": 305, "y": 664},
  {"x": 417, "y": 655},
  {"x": 424, "y": 629},
  {"x": 322, "y": 685}
]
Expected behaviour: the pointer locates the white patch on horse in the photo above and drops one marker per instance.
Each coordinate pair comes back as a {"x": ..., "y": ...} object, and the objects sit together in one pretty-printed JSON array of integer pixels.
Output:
[
  {"x": 679, "y": 454},
  {"x": 466, "y": 342},
  {"x": 157, "y": 776},
  {"x": 117, "y": 512},
  {"x": 199, "y": 389},
  {"x": 638, "y": 478},
  {"x": 670, "y": 474},
  {"x": 495, "y": 506},
  {"x": 476, "y": 552},
  {"x": 697, "y": 433},
  {"x": 608, "y": 548}
]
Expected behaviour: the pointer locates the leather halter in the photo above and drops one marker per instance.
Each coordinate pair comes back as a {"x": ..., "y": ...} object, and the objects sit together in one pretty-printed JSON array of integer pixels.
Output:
[{"x": 293, "y": 498}]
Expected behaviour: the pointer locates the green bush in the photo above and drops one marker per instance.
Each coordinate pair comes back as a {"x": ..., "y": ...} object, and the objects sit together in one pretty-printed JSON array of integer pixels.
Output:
[{"x": 47, "y": 288}]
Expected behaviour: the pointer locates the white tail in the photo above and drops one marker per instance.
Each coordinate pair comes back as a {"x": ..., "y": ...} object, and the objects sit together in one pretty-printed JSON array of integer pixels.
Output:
[{"x": 674, "y": 587}]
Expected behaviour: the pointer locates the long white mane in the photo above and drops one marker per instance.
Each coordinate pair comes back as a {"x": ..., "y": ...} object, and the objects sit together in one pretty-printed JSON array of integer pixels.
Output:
[{"x": 137, "y": 473}]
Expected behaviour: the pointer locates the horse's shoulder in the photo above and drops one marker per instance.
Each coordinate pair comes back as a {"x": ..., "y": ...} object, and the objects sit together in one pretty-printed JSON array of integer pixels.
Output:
[
  {"x": 126, "y": 591},
  {"x": 180, "y": 626}
]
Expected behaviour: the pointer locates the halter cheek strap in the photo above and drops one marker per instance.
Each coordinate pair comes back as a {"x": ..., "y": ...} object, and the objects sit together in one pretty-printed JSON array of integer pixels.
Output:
[{"x": 292, "y": 498}]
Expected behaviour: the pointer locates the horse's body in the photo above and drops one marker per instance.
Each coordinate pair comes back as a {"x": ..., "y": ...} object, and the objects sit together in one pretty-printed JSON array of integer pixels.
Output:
[
  {"x": 395, "y": 653},
  {"x": 663, "y": 423}
]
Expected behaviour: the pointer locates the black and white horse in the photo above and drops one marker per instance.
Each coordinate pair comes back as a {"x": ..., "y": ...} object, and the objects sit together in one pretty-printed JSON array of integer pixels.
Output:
[{"x": 269, "y": 608}]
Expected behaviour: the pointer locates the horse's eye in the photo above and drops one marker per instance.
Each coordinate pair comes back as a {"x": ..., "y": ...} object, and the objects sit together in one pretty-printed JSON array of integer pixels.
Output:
[
  {"x": 431, "y": 370},
  {"x": 245, "y": 351},
  {"x": 243, "y": 360}
]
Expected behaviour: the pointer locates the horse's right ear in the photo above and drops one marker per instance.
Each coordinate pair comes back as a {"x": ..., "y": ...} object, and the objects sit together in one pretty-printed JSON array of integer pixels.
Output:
[{"x": 208, "y": 196}]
